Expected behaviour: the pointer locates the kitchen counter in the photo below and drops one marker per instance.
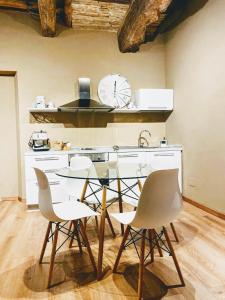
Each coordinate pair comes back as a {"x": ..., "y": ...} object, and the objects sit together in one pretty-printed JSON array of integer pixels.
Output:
[{"x": 106, "y": 149}]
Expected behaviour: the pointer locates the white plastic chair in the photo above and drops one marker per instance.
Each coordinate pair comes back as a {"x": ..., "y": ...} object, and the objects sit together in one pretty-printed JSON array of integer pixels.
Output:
[
  {"x": 60, "y": 213},
  {"x": 160, "y": 203},
  {"x": 75, "y": 187},
  {"x": 135, "y": 192}
]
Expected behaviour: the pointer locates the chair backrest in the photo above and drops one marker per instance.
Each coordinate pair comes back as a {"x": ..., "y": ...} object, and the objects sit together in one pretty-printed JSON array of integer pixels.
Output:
[
  {"x": 160, "y": 200},
  {"x": 74, "y": 187},
  {"x": 44, "y": 196},
  {"x": 80, "y": 163}
]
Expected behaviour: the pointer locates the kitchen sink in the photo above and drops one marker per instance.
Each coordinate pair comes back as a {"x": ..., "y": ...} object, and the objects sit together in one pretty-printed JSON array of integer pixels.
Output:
[{"x": 137, "y": 147}]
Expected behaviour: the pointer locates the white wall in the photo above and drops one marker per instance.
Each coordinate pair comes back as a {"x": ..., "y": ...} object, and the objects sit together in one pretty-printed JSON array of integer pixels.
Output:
[
  {"x": 51, "y": 66},
  {"x": 195, "y": 68}
]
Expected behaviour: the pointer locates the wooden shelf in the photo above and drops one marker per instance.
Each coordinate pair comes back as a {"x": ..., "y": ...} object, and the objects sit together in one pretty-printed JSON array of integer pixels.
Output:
[
  {"x": 42, "y": 110},
  {"x": 81, "y": 119}
]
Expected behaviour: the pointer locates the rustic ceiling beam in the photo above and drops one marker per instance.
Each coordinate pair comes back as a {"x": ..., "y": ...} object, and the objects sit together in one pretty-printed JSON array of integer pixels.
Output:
[
  {"x": 47, "y": 12},
  {"x": 68, "y": 11},
  {"x": 116, "y": 1},
  {"x": 141, "y": 14},
  {"x": 17, "y": 4}
]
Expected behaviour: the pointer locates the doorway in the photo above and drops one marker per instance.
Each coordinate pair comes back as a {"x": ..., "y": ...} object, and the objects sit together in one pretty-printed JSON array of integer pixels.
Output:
[{"x": 9, "y": 135}]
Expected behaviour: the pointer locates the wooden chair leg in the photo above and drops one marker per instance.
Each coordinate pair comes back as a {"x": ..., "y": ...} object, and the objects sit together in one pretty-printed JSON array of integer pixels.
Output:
[
  {"x": 84, "y": 236},
  {"x": 174, "y": 232},
  {"x": 110, "y": 224},
  {"x": 52, "y": 261},
  {"x": 70, "y": 226},
  {"x": 45, "y": 242},
  {"x": 174, "y": 257},
  {"x": 157, "y": 244},
  {"x": 76, "y": 233},
  {"x": 120, "y": 203},
  {"x": 85, "y": 224},
  {"x": 151, "y": 236},
  {"x": 141, "y": 266},
  {"x": 73, "y": 235},
  {"x": 96, "y": 220},
  {"x": 126, "y": 233},
  {"x": 78, "y": 236}
]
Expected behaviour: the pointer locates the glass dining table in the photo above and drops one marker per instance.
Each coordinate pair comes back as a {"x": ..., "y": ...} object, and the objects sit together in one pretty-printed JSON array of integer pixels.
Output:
[{"x": 121, "y": 178}]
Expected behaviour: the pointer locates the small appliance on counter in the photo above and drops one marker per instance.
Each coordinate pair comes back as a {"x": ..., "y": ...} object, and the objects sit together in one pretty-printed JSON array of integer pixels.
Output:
[
  {"x": 39, "y": 141},
  {"x": 164, "y": 142}
]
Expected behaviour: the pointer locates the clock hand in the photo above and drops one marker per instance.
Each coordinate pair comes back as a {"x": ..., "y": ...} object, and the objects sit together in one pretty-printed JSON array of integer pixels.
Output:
[{"x": 114, "y": 89}]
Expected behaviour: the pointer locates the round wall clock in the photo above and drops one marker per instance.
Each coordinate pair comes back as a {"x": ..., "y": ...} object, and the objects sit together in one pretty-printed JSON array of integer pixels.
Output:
[{"x": 114, "y": 90}]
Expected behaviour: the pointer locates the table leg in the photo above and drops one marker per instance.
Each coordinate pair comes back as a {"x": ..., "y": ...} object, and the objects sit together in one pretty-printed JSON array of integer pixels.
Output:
[
  {"x": 84, "y": 191},
  {"x": 139, "y": 185},
  {"x": 101, "y": 234},
  {"x": 82, "y": 197},
  {"x": 120, "y": 202}
]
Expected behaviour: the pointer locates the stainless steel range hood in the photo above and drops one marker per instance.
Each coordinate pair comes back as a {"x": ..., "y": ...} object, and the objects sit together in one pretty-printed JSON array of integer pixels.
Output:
[{"x": 85, "y": 103}]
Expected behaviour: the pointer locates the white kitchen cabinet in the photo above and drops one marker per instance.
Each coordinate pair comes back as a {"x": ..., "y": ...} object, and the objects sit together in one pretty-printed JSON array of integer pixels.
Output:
[
  {"x": 57, "y": 191},
  {"x": 49, "y": 164},
  {"x": 164, "y": 160},
  {"x": 129, "y": 157}
]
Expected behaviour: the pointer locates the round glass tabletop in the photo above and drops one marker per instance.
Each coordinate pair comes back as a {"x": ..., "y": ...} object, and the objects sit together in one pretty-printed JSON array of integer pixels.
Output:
[{"x": 108, "y": 170}]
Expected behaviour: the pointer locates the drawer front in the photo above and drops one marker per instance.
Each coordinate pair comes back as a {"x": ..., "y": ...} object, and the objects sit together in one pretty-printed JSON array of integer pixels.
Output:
[
  {"x": 165, "y": 161},
  {"x": 57, "y": 190},
  {"x": 47, "y": 163},
  {"x": 133, "y": 157}
]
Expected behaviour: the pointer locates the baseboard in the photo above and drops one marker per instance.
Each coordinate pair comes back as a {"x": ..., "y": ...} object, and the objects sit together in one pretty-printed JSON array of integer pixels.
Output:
[
  {"x": 16, "y": 198},
  {"x": 205, "y": 208}
]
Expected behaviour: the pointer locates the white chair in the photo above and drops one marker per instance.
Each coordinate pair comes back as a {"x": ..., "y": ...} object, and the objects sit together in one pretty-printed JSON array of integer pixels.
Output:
[
  {"x": 93, "y": 193},
  {"x": 132, "y": 195},
  {"x": 160, "y": 203},
  {"x": 58, "y": 214}
]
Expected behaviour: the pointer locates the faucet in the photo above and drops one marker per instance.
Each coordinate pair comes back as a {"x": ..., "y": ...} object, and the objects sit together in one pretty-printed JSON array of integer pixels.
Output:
[{"x": 142, "y": 140}]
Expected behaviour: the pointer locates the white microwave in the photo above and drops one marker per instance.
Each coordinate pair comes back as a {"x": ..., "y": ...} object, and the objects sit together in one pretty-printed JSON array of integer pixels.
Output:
[{"x": 154, "y": 99}]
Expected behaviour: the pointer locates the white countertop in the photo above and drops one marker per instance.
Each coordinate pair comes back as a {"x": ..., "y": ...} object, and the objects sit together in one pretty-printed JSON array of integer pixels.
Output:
[{"x": 106, "y": 149}]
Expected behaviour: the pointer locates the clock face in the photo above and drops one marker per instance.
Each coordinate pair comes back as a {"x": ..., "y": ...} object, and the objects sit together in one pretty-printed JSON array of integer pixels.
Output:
[{"x": 114, "y": 90}]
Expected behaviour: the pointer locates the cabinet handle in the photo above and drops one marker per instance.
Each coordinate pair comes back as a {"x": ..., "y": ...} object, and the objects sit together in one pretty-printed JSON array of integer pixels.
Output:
[
  {"x": 127, "y": 155},
  {"x": 50, "y": 171},
  {"x": 164, "y": 154},
  {"x": 46, "y": 158},
  {"x": 52, "y": 183}
]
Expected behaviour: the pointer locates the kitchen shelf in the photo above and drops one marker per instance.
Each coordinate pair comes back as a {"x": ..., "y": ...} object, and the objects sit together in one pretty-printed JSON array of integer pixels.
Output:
[
  {"x": 42, "y": 110},
  {"x": 88, "y": 119},
  {"x": 86, "y": 110}
]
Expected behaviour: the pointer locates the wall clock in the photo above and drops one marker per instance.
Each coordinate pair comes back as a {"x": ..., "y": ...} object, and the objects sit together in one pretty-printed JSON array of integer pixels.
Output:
[{"x": 114, "y": 90}]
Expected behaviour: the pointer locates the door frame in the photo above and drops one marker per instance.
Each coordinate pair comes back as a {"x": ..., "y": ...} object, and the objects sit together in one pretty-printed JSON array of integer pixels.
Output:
[{"x": 6, "y": 73}]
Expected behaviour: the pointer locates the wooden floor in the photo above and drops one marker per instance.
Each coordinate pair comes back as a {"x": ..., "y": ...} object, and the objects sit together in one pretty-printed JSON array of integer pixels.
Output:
[{"x": 201, "y": 253}]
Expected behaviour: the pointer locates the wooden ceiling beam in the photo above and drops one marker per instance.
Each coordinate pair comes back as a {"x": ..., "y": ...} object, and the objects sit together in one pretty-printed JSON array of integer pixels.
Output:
[
  {"x": 140, "y": 16},
  {"x": 17, "y": 4},
  {"x": 68, "y": 11},
  {"x": 47, "y": 12},
  {"x": 116, "y": 1}
]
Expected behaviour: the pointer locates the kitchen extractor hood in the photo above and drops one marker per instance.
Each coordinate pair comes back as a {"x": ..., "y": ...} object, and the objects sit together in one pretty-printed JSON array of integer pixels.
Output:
[{"x": 85, "y": 103}]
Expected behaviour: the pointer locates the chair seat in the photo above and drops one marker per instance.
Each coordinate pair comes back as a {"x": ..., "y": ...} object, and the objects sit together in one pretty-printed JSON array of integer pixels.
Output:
[
  {"x": 72, "y": 210},
  {"x": 130, "y": 201},
  {"x": 124, "y": 218}
]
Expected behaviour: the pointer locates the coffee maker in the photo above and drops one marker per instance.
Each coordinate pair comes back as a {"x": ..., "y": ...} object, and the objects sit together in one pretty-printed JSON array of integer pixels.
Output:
[{"x": 39, "y": 141}]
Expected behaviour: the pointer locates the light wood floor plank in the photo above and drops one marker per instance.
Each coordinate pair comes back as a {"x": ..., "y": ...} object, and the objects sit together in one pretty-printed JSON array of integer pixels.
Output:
[{"x": 201, "y": 253}]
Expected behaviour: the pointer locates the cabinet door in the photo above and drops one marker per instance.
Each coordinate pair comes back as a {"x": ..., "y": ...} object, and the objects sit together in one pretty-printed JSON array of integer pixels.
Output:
[
  {"x": 133, "y": 157},
  {"x": 57, "y": 190},
  {"x": 49, "y": 164},
  {"x": 165, "y": 160}
]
